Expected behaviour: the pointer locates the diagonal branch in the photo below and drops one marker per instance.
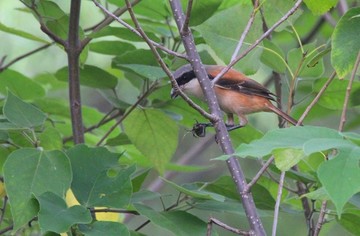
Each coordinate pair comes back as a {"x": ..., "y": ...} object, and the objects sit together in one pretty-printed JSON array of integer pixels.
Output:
[
  {"x": 250, "y": 48},
  {"x": 221, "y": 131},
  {"x": 135, "y": 31},
  {"x": 246, "y": 30}
]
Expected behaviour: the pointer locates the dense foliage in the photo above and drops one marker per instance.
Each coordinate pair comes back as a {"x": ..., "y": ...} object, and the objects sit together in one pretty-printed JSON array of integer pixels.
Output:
[{"x": 137, "y": 164}]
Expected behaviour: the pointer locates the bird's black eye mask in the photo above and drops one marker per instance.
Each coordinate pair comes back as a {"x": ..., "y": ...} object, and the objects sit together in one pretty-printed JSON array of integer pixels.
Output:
[{"x": 185, "y": 77}]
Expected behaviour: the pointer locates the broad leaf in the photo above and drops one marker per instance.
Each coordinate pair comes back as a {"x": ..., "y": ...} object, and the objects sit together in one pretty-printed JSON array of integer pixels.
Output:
[
  {"x": 273, "y": 56},
  {"x": 22, "y": 114},
  {"x": 91, "y": 76},
  {"x": 345, "y": 43},
  {"x": 154, "y": 134},
  {"x": 21, "y": 33},
  {"x": 56, "y": 217},
  {"x": 196, "y": 192},
  {"x": 98, "y": 179},
  {"x": 320, "y": 7},
  {"x": 20, "y": 85},
  {"x": 104, "y": 228},
  {"x": 340, "y": 176},
  {"x": 334, "y": 95},
  {"x": 111, "y": 47},
  {"x": 298, "y": 61},
  {"x": 201, "y": 10},
  {"x": 177, "y": 222},
  {"x": 29, "y": 172}
]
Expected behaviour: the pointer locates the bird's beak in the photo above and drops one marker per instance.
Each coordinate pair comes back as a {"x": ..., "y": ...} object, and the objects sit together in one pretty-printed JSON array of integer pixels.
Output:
[{"x": 173, "y": 93}]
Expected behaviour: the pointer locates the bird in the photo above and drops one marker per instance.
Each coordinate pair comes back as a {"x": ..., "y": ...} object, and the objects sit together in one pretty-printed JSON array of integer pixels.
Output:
[{"x": 236, "y": 93}]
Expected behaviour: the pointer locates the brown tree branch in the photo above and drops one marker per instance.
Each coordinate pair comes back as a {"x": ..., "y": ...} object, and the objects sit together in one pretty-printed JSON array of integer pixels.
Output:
[
  {"x": 73, "y": 50},
  {"x": 221, "y": 131}
]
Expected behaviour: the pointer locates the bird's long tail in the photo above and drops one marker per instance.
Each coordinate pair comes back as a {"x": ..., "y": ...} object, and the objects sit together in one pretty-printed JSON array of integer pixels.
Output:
[{"x": 283, "y": 115}]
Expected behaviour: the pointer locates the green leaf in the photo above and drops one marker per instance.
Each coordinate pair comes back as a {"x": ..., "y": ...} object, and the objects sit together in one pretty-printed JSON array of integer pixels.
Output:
[
  {"x": 334, "y": 95},
  {"x": 273, "y": 56},
  {"x": 177, "y": 222},
  {"x": 223, "y": 41},
  {"x": 350, "y": 222},
  {"x": 141, "y": 62},
  {"x": 201, "y": 10},
  {"x": 111, "y": 47},
  {"x": 154, "y": 134},
  {"x": 340, "y": 176},
  {"x": 29, "y": 172},
  {"x": 122, "y": 33},
  {"x": 20, "y": 85},
  {"x": 320, "y": 7},
  {"x": 139, "y": 179},
  {"x": 50, "y": 139},
  {"x": 150, "y": 72},
  {"x": 154, "y": 10},
  {"x": 139, "y": 56},
  {"x": 54, "y": 215},
  {"x": 225, "y": 186},
  {"x": 318, "y": 194},
  {"x": 345, "y": 42},
  {"x": 104, "y": 228},
  {"x": 274, "y": 10},
  {"x": 21, "y": 33},
  {"x": 285, "y": 158},
  {"x": 293, "y": 137},
  {"x": 21, "y": 113},
  {"x": 196, "y": 192},
  {"x": 91, "y": 76},
  {"x": 144, "y": 195},
  {"x": 98, "y": 179},
  {"x": 297, "y": 58}
]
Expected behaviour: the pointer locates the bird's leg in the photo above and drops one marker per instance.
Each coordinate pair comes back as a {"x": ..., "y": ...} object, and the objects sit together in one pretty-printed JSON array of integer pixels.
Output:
[{"x": 230, "y": 124}]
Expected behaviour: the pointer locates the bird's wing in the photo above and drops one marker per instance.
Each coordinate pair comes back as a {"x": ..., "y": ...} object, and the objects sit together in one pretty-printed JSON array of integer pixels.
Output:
[{"x": 245, "y": 86}]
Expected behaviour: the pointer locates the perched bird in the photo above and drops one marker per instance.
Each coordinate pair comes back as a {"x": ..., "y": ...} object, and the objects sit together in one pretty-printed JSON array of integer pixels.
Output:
[{"x": 236, "y": 93}]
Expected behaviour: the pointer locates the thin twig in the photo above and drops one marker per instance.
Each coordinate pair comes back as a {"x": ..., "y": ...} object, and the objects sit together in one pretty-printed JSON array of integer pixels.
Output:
[
  {"x": 43, "y": 26},
  {"x": 107, "y": 210},
  {"x": 3, "y": 209},
  {"x": 246, "y": 30},
  {"x": 161, "y": 47},
  {"x": 250, "y": 48},
  {"x": 277, "y": 205},
  {"x": 7, "y": 229},
  {"x": 259, "y": 173},
  {"x": 167, "y": 209},
  {"x": 4, "y": 67},
  {"x": 317, "y": 97},
  {"x": 140, "y": 99},
  {"x": 185, "y": 27},
  {"x": 103, "y": 121},
  {"x": 225, "y": 226},
  {"x": 108, "y": 19},
  {"x": 348, "y": 92}
]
